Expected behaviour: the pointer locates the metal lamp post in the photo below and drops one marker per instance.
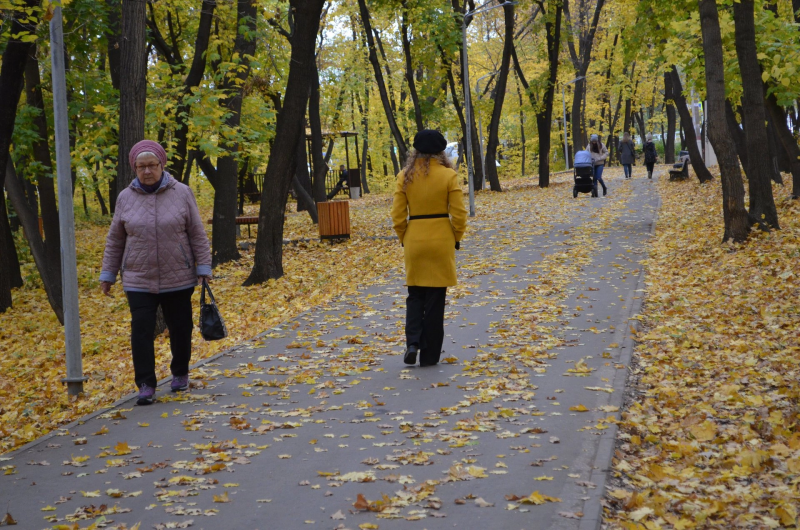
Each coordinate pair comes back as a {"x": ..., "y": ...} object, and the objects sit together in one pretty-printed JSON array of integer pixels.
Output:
[
  {"x": 468, "y": 99},
  {"x": 66, "y": 217},
  {"x": 564, "y": 110}
]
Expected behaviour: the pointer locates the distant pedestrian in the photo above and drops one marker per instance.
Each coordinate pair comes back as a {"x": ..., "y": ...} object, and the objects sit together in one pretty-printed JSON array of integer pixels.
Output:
[
  {"x": 159, "y": 246},
  {"x": 627, "y": 154},
  {"x": 430, "y": 219},
  {"x": 650, "y": 155},
  {"x": 344, "y": 178},
  {"x": 599, "y": 154}
]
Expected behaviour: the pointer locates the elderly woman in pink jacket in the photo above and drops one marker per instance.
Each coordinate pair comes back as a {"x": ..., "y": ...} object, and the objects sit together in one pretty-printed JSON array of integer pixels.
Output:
[{"x": 158, "y": 245}]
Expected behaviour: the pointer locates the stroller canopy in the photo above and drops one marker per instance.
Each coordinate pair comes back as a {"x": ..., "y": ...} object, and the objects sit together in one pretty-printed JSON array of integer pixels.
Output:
[{"x": 583, "y": 159}]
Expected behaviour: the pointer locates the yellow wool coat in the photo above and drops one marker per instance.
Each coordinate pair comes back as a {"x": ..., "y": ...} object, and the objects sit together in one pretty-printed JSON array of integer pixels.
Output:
[{"x": 429, "y": 244}]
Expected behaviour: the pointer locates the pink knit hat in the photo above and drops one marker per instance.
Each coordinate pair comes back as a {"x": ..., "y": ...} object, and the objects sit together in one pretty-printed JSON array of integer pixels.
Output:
[{"x": 147, "y": 146}]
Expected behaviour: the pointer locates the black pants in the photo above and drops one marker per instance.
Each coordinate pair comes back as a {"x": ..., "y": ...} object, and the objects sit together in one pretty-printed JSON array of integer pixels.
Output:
[
  {"x": 425, "y": 321},
  {"x": 177, "y": 309}
]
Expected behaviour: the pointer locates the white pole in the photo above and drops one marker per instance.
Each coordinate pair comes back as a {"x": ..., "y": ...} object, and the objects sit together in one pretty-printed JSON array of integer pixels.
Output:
[
  {"x": 564, "y": 111},
  {"x": 467, "y": 116},
  {"x": 66, "y": 218}
]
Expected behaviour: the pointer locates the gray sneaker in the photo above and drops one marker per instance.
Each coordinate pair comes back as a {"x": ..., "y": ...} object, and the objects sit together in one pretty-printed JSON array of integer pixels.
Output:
[
  {"x": 179, "y": 382},
  {"x": 147, "y": 395}
]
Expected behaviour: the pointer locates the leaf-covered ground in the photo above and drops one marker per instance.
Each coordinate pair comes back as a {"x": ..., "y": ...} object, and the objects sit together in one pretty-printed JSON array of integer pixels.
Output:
[
  {"x": 710, "y": 438},
  {"x": 32, "y": 399},
  {"x": 318, "y": 422}
]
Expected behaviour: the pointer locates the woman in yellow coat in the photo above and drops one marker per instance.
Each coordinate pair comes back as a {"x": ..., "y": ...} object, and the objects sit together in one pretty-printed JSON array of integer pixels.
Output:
[{"x": 430, "y": 219}]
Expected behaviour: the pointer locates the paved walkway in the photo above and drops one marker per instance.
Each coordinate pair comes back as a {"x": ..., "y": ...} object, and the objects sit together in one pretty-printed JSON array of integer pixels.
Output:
[{"x": 318, "y": 424}]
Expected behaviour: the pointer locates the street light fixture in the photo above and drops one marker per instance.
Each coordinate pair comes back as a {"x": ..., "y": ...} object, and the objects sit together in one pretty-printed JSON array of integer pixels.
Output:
[
  {"x": 468, "y": 99},
  {"x": 564, "y": 110}
]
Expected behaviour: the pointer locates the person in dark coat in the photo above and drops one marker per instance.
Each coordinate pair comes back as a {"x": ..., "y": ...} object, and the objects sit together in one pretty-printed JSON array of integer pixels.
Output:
[
  {"x": 627, "y": 154},
  {"x": 650, "y": 155},
  {"x": 344, "y": 177}
]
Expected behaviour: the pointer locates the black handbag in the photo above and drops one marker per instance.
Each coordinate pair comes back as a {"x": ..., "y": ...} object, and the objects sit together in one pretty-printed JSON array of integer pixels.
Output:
[{"x": 212, "y": 327}]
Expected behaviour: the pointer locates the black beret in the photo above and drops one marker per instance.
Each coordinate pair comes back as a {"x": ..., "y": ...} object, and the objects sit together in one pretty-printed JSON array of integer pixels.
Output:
[{"x": 429, "y": 142}]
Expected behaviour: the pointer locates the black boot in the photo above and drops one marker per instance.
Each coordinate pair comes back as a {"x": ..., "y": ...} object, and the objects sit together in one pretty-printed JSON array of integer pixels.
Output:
[
  {"x": 605, "y": 190},
  {"x": 411, "y": 354}
]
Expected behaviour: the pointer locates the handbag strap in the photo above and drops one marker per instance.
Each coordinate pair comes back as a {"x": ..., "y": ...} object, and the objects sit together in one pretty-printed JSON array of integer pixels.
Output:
[{"x": 206, "y": 287}]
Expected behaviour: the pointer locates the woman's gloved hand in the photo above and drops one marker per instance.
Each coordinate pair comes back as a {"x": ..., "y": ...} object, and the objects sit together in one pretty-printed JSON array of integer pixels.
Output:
[{"x": 458, "y": 245}]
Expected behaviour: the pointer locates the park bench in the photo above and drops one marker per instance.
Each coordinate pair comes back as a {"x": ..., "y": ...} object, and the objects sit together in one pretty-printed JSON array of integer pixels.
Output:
[
  {"x": 680, "y": 171},
  {"x": 244, "y": 220}
]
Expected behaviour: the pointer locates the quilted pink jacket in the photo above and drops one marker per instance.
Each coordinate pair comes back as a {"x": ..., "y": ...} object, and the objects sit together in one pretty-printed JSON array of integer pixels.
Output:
[{"x": 156, "y": 240}]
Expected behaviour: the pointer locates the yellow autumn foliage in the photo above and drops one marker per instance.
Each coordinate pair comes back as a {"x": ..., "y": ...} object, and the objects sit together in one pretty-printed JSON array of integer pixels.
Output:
[
  {"x": 34, "y": 402},
  {"x": 713, "y": 441}
]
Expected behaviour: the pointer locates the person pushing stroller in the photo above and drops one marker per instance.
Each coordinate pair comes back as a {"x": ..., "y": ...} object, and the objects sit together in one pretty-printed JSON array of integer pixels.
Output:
[{"x": 599, "y": 154}]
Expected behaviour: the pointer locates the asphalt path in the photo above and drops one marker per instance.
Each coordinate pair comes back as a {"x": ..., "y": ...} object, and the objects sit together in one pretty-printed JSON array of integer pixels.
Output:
[{"x": 318, "y": 423}]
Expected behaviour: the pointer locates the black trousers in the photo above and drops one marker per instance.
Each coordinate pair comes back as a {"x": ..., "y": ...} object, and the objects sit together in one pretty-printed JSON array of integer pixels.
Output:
[
  {"x": 177, "y": 309},
  {"x": 425, "y": 321}
]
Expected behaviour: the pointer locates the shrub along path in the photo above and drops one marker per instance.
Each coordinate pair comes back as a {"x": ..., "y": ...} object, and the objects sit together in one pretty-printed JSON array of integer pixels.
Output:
[{"x": 317, "y": 422}]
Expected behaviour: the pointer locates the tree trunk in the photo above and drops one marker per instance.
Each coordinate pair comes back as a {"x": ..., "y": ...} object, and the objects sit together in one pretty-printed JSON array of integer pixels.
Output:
[
  {"x": 477, "y": 167},
  {"x": 305, "y": 198},
  {"x": 51, "y": 277},
  {"x": 521, "y": 128},
  {"x": 545, "y": 115},
  {"x": 133, "y": 87},
  {"x": 223, "y": 230},
  {"x": 580, "y": 61},
  {"x": 281, "y": 166},
  {"x": 98, "y": 195},
  {"x": 626, "y": 121},
  {"x": 689, "y": 137},
  {"x": 365, "y": 146},
  {"x": 12, "y": 75},
  {"x": 302, "y": 175},
  {"x": 736, "y": 132},
  {"x": 178, "y": 161},
  {"x": 6, "y": 269},
  {"x": 669, "y": 98},
  {"x": 42, "y": 256},
  {"x": 682, "y": 135},
  {"x": 114, "y": 53},
  {"x": 788, "y": 141},
  {"x": 759, "y": 168},
  {"x": 780, "y": 157},
  {"x": 639, "y": 118},
  {"x": 500, "y": 91},
  {"x": 376, "y": 67},
  {"x": 393, "y": 155},
  {"x": 412, "y": 88},
  {"x": 737, "y": 222},
  {"x": 318, "y": 165},
  {"x": 14, "y": 272}
]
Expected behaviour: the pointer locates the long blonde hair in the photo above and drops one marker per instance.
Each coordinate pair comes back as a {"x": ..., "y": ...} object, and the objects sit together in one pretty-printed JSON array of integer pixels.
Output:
[{"x": 410, "y": 170}]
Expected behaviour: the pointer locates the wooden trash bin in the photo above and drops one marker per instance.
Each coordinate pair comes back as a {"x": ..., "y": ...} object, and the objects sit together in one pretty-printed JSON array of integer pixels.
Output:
[{"x": 334, "y": 219}]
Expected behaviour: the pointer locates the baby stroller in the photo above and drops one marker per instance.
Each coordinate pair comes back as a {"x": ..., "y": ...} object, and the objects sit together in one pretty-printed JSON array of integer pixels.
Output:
[{"x": 584, "y": 174}]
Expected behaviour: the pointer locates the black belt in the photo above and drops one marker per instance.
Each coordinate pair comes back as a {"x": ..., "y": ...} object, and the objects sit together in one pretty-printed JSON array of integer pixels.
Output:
[{"x": 429, "y": 216}]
